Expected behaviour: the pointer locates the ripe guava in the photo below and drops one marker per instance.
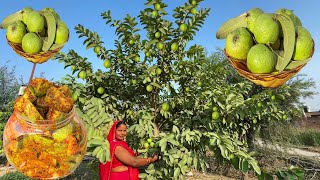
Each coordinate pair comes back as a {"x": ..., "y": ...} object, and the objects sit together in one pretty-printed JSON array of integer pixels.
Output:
[
  {"x": 261, "y": 59},
  {"x": 25, "y": 12},
  {"x": 238, "y": 43},
  {"x": 16, "y": 31},
  {"x": 252, "y": 15},
  {"x": 304, "y": 44},
  {"x": 53, "y": 12},
  {"x": 62, "y": 33},
  {"x": 266, "y": 29},
  {"x": 35, "y": 22},
  {"x": 31, "y": 43},
  {"x": 287, "y": 12}
]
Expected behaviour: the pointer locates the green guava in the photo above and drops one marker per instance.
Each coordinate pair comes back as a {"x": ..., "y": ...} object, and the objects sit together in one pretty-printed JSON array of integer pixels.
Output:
[
  {"x": 35, "y": 22},
  {"x": 25, "y": 12},
  {"x": 304, "y": 44},
  {"x": 62, "y": 33},
  {"x": 261, "y": 59},
  {"x": 296, "y": 21},
  {"x": 238, "y": 44},
  {"x": 16, "y": 31},
  {"x": 287, "y": 12},
  {"x": 252, "y": 15},
  {"x": 266, "y": 29},
  {"x": 53, "y": 12}
]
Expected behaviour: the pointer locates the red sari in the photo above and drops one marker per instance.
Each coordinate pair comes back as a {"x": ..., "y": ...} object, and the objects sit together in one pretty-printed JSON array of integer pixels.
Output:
[{"x": 105, "y": 169}]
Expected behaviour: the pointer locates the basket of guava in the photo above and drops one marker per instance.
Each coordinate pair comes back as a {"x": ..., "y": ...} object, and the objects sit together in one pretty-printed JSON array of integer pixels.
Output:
[
  {"x": 267, "y": 48},
  {"x": 35, "y": 35}
]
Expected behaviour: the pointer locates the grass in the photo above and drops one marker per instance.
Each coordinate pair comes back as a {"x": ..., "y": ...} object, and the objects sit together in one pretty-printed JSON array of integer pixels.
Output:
[{"x": 291, "y": 135}]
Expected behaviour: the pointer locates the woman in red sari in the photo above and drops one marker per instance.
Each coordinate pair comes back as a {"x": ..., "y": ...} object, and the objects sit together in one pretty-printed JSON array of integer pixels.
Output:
[{"x": 124, "y": 163}]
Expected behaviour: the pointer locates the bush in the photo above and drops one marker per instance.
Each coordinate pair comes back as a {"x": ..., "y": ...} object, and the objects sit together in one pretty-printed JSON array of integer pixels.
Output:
[{"x": 14, "y": 176}]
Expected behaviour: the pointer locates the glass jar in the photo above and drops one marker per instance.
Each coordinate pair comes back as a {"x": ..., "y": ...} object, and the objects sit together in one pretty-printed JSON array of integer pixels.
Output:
[{"x": 45, "y": 149}]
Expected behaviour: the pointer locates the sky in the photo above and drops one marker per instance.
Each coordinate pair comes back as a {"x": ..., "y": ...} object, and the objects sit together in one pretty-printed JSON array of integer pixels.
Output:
[{"x": 87, "y": 13}]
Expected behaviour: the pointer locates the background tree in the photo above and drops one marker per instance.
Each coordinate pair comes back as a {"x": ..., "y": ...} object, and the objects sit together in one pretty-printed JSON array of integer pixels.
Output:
[{"x": 9, "y": 88}]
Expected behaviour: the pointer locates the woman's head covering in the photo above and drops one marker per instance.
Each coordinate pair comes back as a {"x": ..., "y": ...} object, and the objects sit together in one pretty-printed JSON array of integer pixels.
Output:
[{"x": 112, "y": 132}]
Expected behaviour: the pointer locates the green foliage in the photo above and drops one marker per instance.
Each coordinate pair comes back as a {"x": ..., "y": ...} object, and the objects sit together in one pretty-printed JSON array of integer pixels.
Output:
[
  {"x": 291, "y": 173},
  {"x": 184, "y": 133},
  {"x": 9, "y": 88},
  {"x": 14, "y": 176}
]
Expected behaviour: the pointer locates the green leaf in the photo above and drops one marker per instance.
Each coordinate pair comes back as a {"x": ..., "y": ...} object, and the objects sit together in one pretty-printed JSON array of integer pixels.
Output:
[
  {"x": 151, "y": 3},
  {"x": 235, "y": 162},
  {"x": 289, "y": 38},
  {"x": 231, "y": 25},
  {"x": 143, "y": 175},
  {"x": 261, "y": 176},
  {"x": 268, "y": 177},
  {"x": 281, "y": 175},
  {"x": 96, "y": 141},
  {"x": 155, "y": 85},
  {"x": 255, "y": 166},
  {"x": 176, "y": 173},
  {"x": 175, "y": 129},
  {"x": 56, "y": 46},
  {"x": 91, "y": 45},
  {"x": 244, "y": 165},
  {"x": 294, "y": 64},
  {"x": 51, "y": 24}
]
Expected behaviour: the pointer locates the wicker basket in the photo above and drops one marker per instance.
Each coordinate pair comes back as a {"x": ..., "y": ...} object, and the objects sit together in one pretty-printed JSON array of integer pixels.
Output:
[
  {"x": 265, "y": 80},
  {"x": 35, "y": 58}
]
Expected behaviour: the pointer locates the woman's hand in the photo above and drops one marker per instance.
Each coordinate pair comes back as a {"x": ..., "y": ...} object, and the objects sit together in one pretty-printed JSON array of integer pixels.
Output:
[{"x": 154, "y": 158}]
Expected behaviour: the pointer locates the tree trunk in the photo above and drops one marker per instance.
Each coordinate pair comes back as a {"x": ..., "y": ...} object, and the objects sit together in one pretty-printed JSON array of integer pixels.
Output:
[{"x": 250, "y": 139}]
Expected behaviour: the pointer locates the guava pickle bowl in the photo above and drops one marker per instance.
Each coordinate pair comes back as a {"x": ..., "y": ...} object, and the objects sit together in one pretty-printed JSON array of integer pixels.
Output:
[{"x": 45, "y": 149}]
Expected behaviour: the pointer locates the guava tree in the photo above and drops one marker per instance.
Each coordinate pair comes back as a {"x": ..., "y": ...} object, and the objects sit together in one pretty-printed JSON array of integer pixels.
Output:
[{"x": 167, "y": 91}]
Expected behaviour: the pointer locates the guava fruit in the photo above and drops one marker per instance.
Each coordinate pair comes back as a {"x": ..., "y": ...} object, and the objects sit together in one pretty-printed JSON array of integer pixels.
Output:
[
  {"x": 261, "y": 59},
  {"x": 238, "y": 43},
  {"x": 16, "y": 31},
  {"x": 252, "y": 15},
  {"x": 25, "y": 12},
  {"x": 31, "y": 43},
  {"x": 62, "y": 33},
  {"x": 35, "y": 22},
  {"x": 287, "y": 12},
  {"x": 304, "y": 44},
  {"x": 53, "y": 12},
  {"x": 266, "y": 29},
  {"x": 297, "y": 21}
]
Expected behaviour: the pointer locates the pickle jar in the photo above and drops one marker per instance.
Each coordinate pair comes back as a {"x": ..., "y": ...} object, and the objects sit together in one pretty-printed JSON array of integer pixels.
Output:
[{"x": 45, "y": 149}]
